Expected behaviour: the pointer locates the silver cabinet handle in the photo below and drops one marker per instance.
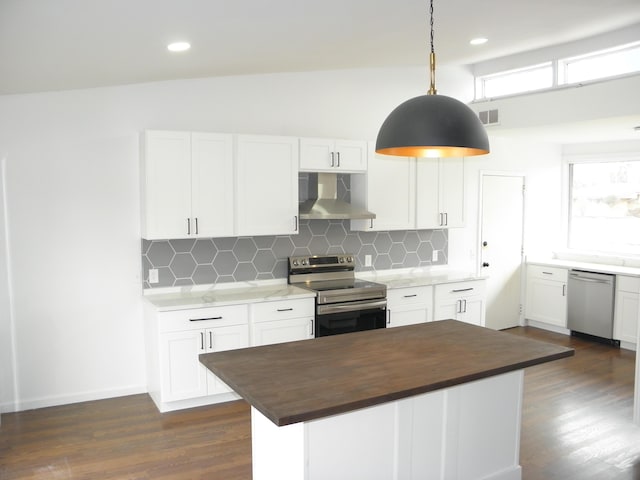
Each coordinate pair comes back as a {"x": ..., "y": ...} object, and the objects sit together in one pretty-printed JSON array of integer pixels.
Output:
[
  {"x": 446, "y": 219},
  {"x": 338, "y": 155},
  {"x": 196, "y": 225},
  {"x": 465, "y": 306},
  {"x": 564, "y": 289},
  {"x": 333, "y": 156},
  {"x": 462, "y": 290},
  {"x": 202, "y": 341},
  {"x": 210, "y": 340},
  {"x": 295, "y": 218},
  {"x": 441, "y": 219},
  {"x": 188, "y": 226},
  {"x": 371, "y": 226},
  {"x": 311, "y": 332},
  {"x": 388, "y": 316},
  {"x": 285, "y": 309},
  {"x": 547, "y": 273},
  {"x": 409, "y": 296}
]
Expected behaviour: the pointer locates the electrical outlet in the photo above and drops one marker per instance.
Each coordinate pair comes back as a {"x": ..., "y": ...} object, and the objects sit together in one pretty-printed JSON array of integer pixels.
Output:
[
  {"x": 153, "y": 275},
  {"x": 434, "y": 256},
  {"x": 367, "y": 261}
]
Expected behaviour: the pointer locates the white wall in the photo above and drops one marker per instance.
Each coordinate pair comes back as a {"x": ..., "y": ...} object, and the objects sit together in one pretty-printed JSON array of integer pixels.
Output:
[
  {"x": 72, "y": 199},
  {"x": 542, "y": 166}
]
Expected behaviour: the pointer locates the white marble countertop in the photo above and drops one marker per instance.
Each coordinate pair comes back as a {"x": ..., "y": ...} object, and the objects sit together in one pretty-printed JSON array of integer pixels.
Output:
[
  {"x": 200, "y": 296},
  {"x": 216, "y": 295},
  {"x": 418, "y": 277},
  {"x": 591, "y": 267}
]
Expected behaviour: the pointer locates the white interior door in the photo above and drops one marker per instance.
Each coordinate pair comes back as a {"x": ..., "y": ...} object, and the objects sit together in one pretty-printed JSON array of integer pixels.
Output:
[{"x": 501, "y": 232}]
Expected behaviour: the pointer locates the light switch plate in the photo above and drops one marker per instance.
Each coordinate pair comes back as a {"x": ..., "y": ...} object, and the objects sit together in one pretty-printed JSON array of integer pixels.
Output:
[
  {"x": 434, "y": 256},
  {"x": 367, "y": 261},
  {"x": 153, "y": 275}
]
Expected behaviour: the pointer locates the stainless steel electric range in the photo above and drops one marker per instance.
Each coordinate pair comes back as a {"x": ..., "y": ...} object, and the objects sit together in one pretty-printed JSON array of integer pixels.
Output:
[{"x": 343, "y": 303}]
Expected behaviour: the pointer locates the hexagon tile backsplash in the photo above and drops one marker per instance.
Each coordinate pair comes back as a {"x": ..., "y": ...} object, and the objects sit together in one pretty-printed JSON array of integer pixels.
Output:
[{"x": 238, "y": 259}]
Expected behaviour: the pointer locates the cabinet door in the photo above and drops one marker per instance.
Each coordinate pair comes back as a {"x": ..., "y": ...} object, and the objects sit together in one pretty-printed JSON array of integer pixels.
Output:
[
  {"x": 440, "y": 193},
  {"x": 220, "y": 339},
  {"x": 267, "y": 185},
  {"x": 389, "y": 192},
  {"x": 399, "y": 317},
  {"x": 279, "y": 331},
  {"x": 626, "y": 316},
  {"x": 445, "y": 310},
  {"x": 472, "y": 311},
  {"x": 183, "y": 376},
  {"x": 428, "y": 213},
  {"x": 166, "y": 184},
  {"x": 352, "y": 155},
  {"x": 451, "y": 190},
  {"x": 316, "y": 155},
  {"x": 212, "y": 185},
  {"x": 546, "y": 301}
]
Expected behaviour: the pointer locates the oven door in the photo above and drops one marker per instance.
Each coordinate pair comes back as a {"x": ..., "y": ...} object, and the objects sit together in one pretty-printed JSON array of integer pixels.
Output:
[{"x": 336, "y": 318}]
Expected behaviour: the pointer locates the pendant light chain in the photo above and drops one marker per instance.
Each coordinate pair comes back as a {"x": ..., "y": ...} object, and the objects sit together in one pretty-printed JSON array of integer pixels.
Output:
[{"x": 432, "y": 58}]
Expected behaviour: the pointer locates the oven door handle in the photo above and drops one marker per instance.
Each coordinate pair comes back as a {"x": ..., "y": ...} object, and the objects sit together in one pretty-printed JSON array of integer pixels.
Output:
[{"x": 352, "y": 306}]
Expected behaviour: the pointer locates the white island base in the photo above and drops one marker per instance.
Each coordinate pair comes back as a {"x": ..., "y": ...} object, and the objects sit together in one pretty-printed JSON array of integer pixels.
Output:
[{"x": 469, "y": 431}]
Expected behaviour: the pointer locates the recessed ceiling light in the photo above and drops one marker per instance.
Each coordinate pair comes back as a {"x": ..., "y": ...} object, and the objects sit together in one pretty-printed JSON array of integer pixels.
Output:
[
  {"x": 478, "y": 41},
  {"x": 179, "y": 46}
]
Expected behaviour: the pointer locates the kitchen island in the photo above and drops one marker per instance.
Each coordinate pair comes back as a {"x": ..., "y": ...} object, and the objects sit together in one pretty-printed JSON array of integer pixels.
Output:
[{"x": 434, "y": 400}]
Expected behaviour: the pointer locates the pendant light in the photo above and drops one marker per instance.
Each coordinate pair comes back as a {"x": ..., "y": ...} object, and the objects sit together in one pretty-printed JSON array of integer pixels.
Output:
[{"x": 432, "y": 125}]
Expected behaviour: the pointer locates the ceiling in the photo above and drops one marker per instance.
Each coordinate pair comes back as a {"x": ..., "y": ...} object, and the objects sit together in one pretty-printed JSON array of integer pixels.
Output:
[{"x": 67, "y": 44}]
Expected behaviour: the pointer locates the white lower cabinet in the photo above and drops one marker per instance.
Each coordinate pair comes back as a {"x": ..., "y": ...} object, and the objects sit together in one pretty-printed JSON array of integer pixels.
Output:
[
  {"x": 409, "y": 305},
  {"x": 625, "y": 321},
  {"x": 546, "y": 298},
  {"x": 175, "y": 340},
  {"x": 282, "y": 321},
  {"x": 464, "y": 301}
]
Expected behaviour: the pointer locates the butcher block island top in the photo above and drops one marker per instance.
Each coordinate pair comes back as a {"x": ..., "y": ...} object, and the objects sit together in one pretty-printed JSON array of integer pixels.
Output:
[{"x": 310, "y": 379}]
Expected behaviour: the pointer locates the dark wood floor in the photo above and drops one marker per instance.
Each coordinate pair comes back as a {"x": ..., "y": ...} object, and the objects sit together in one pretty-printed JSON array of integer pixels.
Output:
[{"x": 576, "y": 425}]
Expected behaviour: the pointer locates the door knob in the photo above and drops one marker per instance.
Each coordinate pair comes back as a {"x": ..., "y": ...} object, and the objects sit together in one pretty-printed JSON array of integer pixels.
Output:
[
  {"x": 484, "y": 244},
  {"x": 485, "y": 264}
]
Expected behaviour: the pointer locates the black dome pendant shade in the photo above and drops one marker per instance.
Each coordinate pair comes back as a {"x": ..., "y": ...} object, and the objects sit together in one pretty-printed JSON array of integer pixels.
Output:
[{"x": 432, "y": 125}]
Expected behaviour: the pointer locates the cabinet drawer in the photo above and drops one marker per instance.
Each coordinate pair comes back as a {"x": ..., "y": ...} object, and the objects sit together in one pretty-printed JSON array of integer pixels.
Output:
[
  {"x": 410, "y": 296},
  {"x": 452, "y": 291},
  {"x": 550, "y": 273},
  {"x": 628, "y": 284},
  {"x": 281, "y": 309},
  {"x": 198, "y": 318}
]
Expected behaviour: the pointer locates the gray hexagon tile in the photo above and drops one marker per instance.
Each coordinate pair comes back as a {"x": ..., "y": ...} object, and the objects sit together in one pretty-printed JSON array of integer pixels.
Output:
[
  {"x": 182, "y": 245},
  {"x": 264, "y": 261},
  {"x": 225, "y": 243},
  {"x": 336, "y": 234},
  {"x": 204, "y": 274},
  {"x": 160, "y": 254},
  {"x": 225, "y": 263},
  {"x": 182, "y": 265},
  {"x": 411, "y": 241},
  {"x": 382, "y": 243},
  {"x": 245, "y": 272},
  {"x": 203, "y": 251},
  {"x": 245, "y": 249}
]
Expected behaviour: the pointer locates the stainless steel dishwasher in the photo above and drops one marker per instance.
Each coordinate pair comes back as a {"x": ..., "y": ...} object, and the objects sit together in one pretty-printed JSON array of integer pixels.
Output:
[{"x": 590, "y": 303}]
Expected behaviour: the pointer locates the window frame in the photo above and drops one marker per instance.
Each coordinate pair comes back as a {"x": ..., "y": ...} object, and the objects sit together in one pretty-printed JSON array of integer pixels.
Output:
[{"x": 566, "y": 192}]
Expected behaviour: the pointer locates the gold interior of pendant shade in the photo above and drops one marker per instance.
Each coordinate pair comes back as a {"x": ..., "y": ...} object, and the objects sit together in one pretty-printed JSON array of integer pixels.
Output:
[{"x": 433, "y": 151}]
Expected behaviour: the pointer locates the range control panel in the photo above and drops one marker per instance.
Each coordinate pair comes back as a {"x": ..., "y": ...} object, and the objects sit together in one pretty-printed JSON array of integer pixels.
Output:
[{"x": 323, "y": 262}]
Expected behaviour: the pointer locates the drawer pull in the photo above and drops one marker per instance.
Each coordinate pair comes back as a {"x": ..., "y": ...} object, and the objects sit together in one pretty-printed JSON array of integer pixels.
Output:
[
  {"x": 462, "y": 290},
  {"x": 285, "y": 309},
  {"x": 409, "y": 296},
  {"x": 547, "y": 273},
  {"x": 204, "y": 319}
]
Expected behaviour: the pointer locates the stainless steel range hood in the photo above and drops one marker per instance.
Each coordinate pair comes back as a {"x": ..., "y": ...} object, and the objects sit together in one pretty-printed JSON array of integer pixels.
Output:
[{"x": 323, "y": 203}]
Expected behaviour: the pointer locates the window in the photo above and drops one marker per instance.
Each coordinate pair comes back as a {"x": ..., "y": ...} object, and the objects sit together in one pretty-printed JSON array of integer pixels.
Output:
[
  {"x": 607, "y": 63},
  {"x": 522, "y": 80},
  {"x": 604, "y": 207}
]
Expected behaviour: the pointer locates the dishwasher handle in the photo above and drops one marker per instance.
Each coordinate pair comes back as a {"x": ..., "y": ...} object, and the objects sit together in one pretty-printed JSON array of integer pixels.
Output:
[{"x": 576, "y": 276}]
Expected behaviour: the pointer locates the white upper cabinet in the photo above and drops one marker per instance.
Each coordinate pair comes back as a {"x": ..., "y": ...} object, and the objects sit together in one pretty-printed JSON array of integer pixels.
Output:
[
  {"x": 328, "y": 155},
  {"x": 440, "y": 193},
  {"x": 187, "y": 185},
  {"x": 388, "y": 190},
  {"x": 267, "y": 185},
  {"x": 409, "y": 193}
]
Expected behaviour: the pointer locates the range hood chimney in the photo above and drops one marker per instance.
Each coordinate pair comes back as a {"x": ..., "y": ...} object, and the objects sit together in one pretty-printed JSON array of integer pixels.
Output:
[{"x": 323, "y": 203}]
